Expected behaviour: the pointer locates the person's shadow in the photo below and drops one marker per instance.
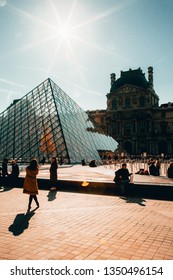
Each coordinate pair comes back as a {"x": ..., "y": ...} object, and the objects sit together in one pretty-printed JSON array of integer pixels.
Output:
[
  {"x": 137, "y": 200},
  {"x": 5, "y": 189},
  {"x": 20, "y": 223},
  {"x": 52, "y": 195}
]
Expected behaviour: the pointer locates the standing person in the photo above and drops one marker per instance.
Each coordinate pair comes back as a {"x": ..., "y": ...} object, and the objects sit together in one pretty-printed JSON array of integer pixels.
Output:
[
  {"x": 53, "y": 173},
  {"x": 170, "y": 170},
  {"x": 122, "y": 177},
  {"x": 61, "y": 161},
  {"x": 30, "y": 183},
  {"x": 5, "y": 167},
  {"x": 14, "y": 173},
  {"x": 43, "y": 160},
  {"x": 158, "y": 165},
  {"x": 152, "y": 169},
  {"x": 15, "y": 170}
]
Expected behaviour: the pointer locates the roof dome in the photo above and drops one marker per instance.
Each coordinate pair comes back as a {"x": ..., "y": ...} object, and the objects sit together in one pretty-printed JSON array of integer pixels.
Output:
[{"x": 131, "y": 77}]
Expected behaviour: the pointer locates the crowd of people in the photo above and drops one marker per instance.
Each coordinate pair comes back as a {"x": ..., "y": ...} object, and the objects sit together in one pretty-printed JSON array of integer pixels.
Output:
[
  {"x": 155, "y": 167},
  {"x": 30, "y": 185},
  {"x": 122, "y": 175}
]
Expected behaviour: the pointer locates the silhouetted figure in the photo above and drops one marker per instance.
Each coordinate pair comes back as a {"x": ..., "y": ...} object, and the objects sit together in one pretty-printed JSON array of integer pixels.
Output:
[
  {"x": 158, "y": 165},
  {"x": 170, "y": 170},
  {"x": 5, "y": 167},
  {"x": 92, "y": 163},
  {"x": 53, "y": 173},
  {"x": 43, "y": 160},
  {"x": 30, "y": 183},
  {"x": 15, "y": 170},
  {"x": 152, "y": 169},
  {"x": 122, "y": 178},
  {"x": 61, "y": 161},
  {"x": 83, "y": 162},
  {"x": 13, "y": 176}
]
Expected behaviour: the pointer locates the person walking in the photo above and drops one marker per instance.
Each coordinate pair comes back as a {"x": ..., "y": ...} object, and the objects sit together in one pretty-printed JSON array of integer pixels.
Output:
[
  {"x": 53, "y": 174},
  {"x": 122, "y": 178},
  {"x": 30, "y": 186}
]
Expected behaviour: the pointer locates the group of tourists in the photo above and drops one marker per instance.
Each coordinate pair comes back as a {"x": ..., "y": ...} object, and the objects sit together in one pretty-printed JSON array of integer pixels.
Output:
[
  {"x": 30, "y": 185},
  {"x": 122, "y": 175},
  {"x": 13, "y": 175},
  {"x": 154, "y": 168}
]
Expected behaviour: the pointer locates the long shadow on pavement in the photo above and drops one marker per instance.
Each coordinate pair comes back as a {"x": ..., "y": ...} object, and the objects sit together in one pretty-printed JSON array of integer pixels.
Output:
[
  {"x": 20, "y": 223},
  {"x": 5, "y": 189},
  {"x": 52, "y": 195},
  {"x": 137, "y": 200}
]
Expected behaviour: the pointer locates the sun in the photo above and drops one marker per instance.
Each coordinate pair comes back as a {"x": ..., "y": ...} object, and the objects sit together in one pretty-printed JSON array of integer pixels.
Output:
[
  {"x": 66, "y": 29},
  {"x": 64, "y": 32}
]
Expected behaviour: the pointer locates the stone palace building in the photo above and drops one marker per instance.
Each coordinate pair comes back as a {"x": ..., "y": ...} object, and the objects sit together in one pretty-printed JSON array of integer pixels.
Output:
[{"x": 133, "y": 116}]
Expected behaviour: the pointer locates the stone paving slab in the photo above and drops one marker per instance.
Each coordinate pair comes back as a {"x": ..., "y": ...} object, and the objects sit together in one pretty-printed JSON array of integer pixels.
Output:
[{"x": 75, "y": 226}]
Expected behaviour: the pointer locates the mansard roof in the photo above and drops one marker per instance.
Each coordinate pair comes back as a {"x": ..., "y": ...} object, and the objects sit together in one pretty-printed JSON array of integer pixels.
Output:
[{"x": 131, "y": 77}]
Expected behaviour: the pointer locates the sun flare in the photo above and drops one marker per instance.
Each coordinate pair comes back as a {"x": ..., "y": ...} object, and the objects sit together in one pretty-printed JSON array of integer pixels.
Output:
[{"x": 64, "y": 32}]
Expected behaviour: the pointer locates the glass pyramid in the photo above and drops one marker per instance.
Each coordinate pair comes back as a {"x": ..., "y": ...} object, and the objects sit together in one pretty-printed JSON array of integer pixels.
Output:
[{"x": 47, "y": 122}]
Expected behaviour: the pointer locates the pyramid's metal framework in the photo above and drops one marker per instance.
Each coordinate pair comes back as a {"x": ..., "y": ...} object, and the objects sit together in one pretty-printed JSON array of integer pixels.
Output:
[{"x": 47, "y": 122}]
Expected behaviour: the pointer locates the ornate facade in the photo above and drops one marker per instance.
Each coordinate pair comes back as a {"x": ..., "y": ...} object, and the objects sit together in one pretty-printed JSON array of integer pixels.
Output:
[{"x": 133, "y": 116}]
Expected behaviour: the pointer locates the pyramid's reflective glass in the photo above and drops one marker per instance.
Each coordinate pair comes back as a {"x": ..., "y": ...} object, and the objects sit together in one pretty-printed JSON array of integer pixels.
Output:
[{"x": 47, "y": 122}]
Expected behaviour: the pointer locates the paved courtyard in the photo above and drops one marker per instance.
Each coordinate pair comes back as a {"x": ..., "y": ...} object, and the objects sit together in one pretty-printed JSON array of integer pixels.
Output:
[{"x": 77, "y": 226}]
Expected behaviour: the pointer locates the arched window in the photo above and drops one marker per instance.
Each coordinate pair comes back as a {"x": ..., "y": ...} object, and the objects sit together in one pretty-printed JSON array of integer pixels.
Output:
[
  {"x": 114, "y": 104},
  {"x": 114, "y": 129},
  {"x": 162, "y": 147},
  {"x": 141, "y": 101},
  {"x": 127, "y": 128},
  {"x": 163, "y": 126},
  {"x": 141, "y": 127},
  {"x": 172, "y": 148},
  {"x": 128, "y": 147},
  {"x": 127, "y": 102}
]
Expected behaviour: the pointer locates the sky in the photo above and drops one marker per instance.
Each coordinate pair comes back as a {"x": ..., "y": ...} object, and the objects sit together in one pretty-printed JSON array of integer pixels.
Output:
[{"x": 79, "y": 43}]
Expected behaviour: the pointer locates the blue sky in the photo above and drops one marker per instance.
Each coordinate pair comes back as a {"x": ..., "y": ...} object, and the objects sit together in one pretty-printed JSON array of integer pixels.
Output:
[{"x": 78, "y": 43}]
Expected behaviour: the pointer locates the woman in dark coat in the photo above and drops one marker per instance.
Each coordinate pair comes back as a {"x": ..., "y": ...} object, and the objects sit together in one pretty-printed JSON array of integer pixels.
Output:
[{"x": 53, "y": 173}]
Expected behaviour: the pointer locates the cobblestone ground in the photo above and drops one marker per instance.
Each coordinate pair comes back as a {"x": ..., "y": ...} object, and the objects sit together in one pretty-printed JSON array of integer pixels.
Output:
[{"x": 80, "y": 226}]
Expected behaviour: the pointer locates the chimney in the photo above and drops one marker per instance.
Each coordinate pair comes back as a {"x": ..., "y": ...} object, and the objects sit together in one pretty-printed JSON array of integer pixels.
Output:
[
  {"x": 113, "y": 78},
  {"x": 150, "y": 76}
]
